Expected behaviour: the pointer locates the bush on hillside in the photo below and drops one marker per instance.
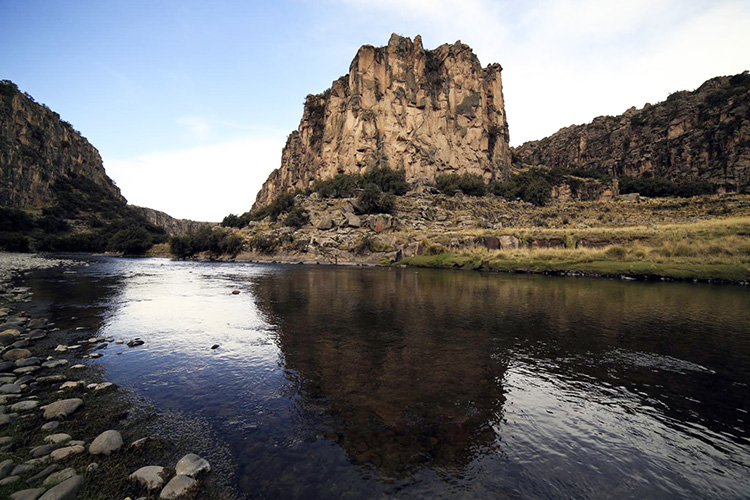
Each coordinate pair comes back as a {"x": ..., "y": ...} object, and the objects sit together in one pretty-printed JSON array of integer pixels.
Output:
[
  {"x": 297, "y": 217},
  {"x": 206, "y": 239},
  {"x": 374, "y": 201},
  {"x": 131, "y": 241},
  {"x": 468, "y": 184}
]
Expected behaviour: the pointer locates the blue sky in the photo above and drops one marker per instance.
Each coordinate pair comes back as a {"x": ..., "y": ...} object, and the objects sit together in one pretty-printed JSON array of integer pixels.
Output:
[{"x": 189, "y": 103}]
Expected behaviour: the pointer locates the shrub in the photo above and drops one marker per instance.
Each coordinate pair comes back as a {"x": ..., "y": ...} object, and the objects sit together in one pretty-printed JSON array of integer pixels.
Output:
[
  {"x": 12, "y": 220},
  {"x": 231, "y": 244},
  {"x": 340, "y": 186},
  {"x": 14, "y": 242},
  {"x": 206, "y": 239},
  {"x": 297, "y": 218},
  {"x": 281, "y": 204},
  {"x": 374, "y": 201},
  {"x": 131, "y": 241},
  {"x": 181, "y": 246},
  {"x": 345, "y": 185},
  {"x": 469, "y": 184},
  {"x": 656, "y": 187},
  {"x": 388, "y": 180},
  {"x": 532, "y": 186},
  {"x": 616, "y": 252},
  {"x": 264, "y": 243}
]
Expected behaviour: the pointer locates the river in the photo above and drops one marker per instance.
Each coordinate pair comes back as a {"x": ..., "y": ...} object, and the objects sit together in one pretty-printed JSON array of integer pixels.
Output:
[{"x": 334, "y": 382}]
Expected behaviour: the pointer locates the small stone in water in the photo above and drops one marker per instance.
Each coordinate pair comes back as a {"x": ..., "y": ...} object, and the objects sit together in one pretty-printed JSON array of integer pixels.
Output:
[{"x": 215, "y": 346}]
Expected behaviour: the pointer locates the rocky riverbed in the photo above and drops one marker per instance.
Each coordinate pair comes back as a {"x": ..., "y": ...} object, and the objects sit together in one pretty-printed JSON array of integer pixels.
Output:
[{"x": 65, "y": 432}]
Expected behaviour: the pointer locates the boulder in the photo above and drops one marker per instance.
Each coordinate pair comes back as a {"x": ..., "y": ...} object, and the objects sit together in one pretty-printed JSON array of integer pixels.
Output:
[
  {"x": 66, "y": 452},
  {"x": 325, "y": 223},
  {"x": 106, "y": 442},
  {"x": 509, "y": 242},
  {"x": 10, "y": 389},
  {"x": 16, "y": 354},
  {"x": 28, "y": 494},
  {"x": 24, "y": 405},
  {"x": 59, "y": 477},
  {"x": 149, "y": 476},
  {"x": 64, "y": 491},
  {"x": 57, "y": 438},
  {"x": 62, "y": 408},
  {"x": 27, "y": 362}
]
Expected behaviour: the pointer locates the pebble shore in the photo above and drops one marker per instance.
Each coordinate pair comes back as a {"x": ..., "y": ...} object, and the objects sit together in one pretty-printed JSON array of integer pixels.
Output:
[{"x": 50, "y": 445}]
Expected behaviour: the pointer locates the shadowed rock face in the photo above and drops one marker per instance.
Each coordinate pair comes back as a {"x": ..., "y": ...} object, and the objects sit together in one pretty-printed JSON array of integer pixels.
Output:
[
  {"x": 700, "y": 135},
  {"x": 426, "y": 111},
  {"x": 37, "y": 149}
]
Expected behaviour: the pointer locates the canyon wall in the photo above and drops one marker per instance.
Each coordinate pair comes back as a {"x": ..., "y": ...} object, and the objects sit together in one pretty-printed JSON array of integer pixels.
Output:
[
  {"x": 38, "y": 149},
  {"x": 701, "y": 135}
]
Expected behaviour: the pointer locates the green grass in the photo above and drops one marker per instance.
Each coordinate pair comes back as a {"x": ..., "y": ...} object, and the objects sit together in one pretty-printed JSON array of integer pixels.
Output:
[{"x": 635, "y": 269}]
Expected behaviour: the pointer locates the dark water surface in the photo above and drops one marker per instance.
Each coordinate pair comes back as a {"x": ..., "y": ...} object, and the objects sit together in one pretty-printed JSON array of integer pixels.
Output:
[{"x": 366, "y": 383}]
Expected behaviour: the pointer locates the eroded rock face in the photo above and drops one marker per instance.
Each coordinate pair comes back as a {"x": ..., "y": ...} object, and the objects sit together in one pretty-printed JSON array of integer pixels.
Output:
[
  {"x": 37, "y": 149},
  {"x": 700, "y": 135},
  {"x": 426, "y": 111}
]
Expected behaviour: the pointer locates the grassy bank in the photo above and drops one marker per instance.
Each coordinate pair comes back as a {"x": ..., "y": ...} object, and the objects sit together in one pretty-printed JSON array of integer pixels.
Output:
[{"x": 717, "y": 249}]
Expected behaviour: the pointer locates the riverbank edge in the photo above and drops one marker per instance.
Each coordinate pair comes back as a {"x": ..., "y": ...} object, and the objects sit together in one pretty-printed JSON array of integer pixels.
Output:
[
  {"x": 106, "y": 407},
  {"x": 725, "y": 274},
  {"x": 627, "y": 270}
]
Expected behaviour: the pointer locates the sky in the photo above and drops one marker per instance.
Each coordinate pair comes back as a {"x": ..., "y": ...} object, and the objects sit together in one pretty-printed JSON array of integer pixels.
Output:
[{"x": 189, "y": 103}]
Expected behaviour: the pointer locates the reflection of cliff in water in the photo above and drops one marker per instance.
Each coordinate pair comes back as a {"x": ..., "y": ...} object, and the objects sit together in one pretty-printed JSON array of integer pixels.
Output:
[
  {"x": 408, "y": 380},
  {"x": 82, "y": 299},
  {"x": 411, "y": 364}
]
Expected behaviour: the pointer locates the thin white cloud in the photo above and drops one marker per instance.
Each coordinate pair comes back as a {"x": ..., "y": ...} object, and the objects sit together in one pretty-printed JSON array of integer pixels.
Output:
[
  {"x": 196, "y": 126},
  {"x": 200, "y": 183}
]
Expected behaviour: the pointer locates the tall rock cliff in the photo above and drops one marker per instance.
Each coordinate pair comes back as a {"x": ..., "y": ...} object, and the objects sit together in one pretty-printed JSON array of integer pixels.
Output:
[
  {"x": 37, "y": 149},
  {"x": 699, "y": 135},
  {"x": 426, "y": 111}
]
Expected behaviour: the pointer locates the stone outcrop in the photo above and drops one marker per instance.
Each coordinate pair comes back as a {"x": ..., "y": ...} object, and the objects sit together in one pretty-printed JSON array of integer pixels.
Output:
[
  {"x": 173, "y": 227},
  {"x": 699, "y": 135},
  {"x": 426, "y": 111},
  {"x": 37, "y": 149}
]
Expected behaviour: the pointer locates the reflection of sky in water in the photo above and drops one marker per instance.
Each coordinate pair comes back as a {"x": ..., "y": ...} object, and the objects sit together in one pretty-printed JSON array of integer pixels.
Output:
[{"x": 357, "y": 382}]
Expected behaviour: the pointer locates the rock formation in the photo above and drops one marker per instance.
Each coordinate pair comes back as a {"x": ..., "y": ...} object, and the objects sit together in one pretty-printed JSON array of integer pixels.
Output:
[
  {"x": 700, "y": 135},
  {"x": 426, "y": 111},
  {"x": 37, "y": 149},
  {"x": 173, "y": 227}
]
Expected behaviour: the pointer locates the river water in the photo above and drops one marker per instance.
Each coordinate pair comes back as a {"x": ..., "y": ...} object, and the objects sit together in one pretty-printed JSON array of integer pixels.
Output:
[{"x": 334, "y": 382}]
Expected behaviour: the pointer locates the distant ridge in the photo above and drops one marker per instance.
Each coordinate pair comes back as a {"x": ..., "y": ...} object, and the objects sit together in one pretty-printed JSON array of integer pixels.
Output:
[{"x": 702, "y": 135}]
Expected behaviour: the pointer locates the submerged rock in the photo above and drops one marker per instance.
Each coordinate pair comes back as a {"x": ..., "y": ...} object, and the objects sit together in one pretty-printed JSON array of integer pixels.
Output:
[
  {"x": 192, "y": 465},
  {"x": 177, "y": 487}
]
